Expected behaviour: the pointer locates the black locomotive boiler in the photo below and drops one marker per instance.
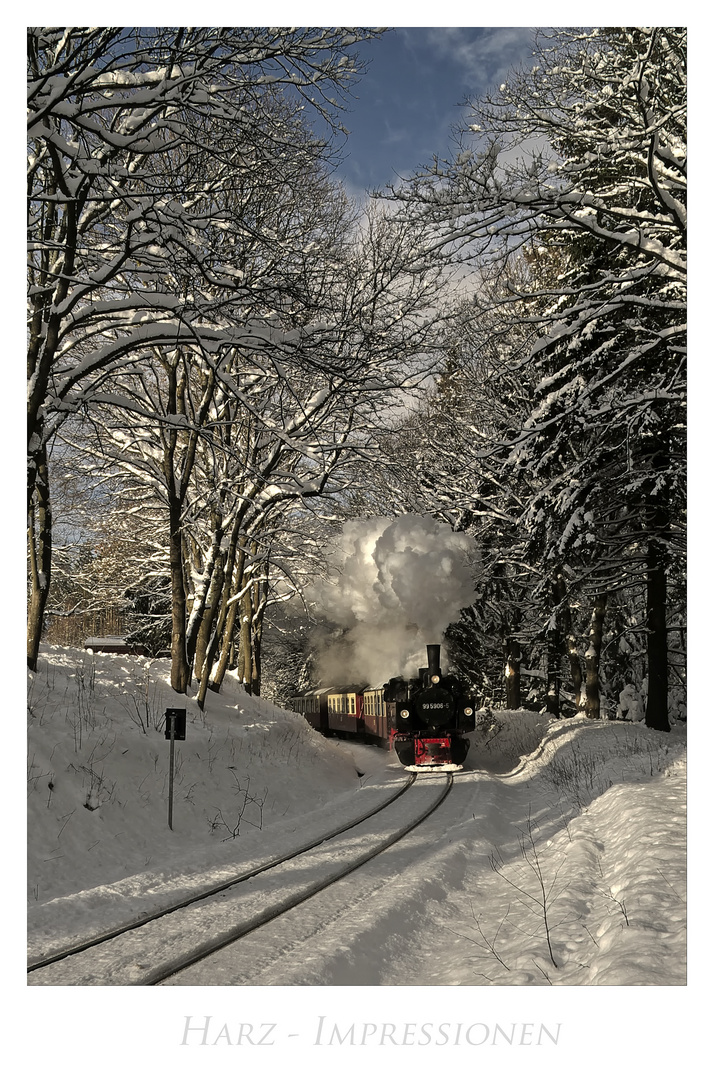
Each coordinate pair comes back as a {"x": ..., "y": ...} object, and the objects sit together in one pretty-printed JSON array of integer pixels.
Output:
[{"x": 432, "y": 713}]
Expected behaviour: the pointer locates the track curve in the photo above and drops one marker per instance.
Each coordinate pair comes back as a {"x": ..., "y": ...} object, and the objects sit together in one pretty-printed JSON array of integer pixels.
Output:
[
  {"x": 276, "y": 910},
  {"x": 107, "y": 952}
]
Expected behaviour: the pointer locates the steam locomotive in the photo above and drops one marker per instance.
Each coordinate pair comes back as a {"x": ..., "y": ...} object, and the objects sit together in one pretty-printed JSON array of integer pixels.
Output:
[{"x": 423, "y": 719}]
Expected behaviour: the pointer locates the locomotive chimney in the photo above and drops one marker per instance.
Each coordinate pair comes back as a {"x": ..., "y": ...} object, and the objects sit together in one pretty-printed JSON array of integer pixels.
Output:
[{"x": 433, "y": 653}]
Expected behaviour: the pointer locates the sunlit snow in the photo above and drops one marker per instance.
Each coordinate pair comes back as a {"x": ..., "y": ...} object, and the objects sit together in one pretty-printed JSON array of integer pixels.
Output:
[{"x": 558, "y": 859}]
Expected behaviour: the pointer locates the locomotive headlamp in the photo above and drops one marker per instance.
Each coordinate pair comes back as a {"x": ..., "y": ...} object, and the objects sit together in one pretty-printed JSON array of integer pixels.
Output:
[
  {"x": 468, "y": 711},
  {"x": 404, "y": 714},
  {"x": 435, "y": 679}
]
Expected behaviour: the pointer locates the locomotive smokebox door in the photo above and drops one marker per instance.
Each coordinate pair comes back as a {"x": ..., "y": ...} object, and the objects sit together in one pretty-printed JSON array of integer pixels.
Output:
[
  {"x": 177, "y": 718},
  {"x": 436, "y": 707}
]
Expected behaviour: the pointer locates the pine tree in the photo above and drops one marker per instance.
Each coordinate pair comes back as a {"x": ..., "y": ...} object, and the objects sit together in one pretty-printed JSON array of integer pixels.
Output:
[{"x": 580, "y": 164}]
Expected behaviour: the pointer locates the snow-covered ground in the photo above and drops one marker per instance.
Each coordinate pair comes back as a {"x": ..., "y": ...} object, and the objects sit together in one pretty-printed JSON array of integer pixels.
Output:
[{"x": 558, "y": 861}]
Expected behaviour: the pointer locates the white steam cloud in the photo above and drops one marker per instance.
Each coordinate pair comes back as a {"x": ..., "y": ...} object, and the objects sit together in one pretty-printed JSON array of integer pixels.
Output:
[{"x": 401, "y": 583}]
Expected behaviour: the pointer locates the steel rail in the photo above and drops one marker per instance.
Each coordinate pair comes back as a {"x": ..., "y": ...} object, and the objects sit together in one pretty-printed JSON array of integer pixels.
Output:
[
  {"x": 162, "y": 973},
  {"x": 227, "y": 883}
]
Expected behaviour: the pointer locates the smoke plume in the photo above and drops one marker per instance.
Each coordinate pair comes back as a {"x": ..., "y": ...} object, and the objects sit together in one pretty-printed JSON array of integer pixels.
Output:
[{"x": 401, "y": 583}]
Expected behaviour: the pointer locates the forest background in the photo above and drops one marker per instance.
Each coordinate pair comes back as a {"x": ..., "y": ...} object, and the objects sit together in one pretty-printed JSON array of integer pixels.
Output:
[{"x": 228, "y": 360}]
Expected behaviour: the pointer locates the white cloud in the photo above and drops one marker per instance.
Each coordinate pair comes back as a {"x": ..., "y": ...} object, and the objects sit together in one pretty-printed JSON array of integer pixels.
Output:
[{"x": 484, "y": 55}]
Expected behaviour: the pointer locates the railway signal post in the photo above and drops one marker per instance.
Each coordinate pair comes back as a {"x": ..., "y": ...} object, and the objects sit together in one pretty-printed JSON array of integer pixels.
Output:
[{"x": 175, "y": 729}]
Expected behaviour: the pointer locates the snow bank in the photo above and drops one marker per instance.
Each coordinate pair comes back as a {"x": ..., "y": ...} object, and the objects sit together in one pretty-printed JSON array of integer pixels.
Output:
[
  {"x": 98, "y": 762},
  {"x": 558, "y": 859}
]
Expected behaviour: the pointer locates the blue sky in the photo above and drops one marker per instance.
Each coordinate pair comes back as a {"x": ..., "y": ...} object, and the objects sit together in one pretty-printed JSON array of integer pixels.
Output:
[{"x": 404, "y": 107}]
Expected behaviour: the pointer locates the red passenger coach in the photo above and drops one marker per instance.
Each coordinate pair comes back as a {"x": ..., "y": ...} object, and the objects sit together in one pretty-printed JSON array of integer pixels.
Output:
[
  {"x": 313, "y": 706},
  {"x": 345, "y": 708},
  {"x": 347, "y": 712},
  {"x": 378, "y": 716}
]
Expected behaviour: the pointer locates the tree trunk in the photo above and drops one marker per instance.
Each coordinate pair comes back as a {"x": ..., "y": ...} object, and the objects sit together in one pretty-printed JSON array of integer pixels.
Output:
[
  {"x": 222, "y": 633},
  {"x": 180, "y": 670},
  {"x": 260, "y": 603},
  {"x": 40, "y": 543},
  {"x": 592, "y": 659},
  {"x": 205, "y": 683},
  {"x": 554, "y": 652},
  {"x": 178, "y": 460},
  {"x": 513, "y": 673},
  {"x": 257, "y": 667},
  {"x": 227, "y": 645},
  {"x": 225, "y": 627},
  {"x": 210, "y": 608},
  {"x": 576, "y": 671},
  {"x": 200, "y": 597},
  {"x": 245, "y": 666},
  {"x": 657, "y": 710},
  {"x": 571, "y": 644}
]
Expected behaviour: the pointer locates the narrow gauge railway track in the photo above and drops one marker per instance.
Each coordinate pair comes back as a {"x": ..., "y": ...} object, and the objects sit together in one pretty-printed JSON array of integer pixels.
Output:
[
  {"x": 228, "y": 917},
  {"x": 276, "y": 910},
  {"x": 204, "y": 894}
]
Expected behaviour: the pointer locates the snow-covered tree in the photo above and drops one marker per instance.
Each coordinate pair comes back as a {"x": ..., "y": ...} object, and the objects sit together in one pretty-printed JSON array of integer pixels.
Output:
[
  {"x": 579, "y": 164},
  {"x": 217, "y": 455},
  {"x": 120, "y": 124}
]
